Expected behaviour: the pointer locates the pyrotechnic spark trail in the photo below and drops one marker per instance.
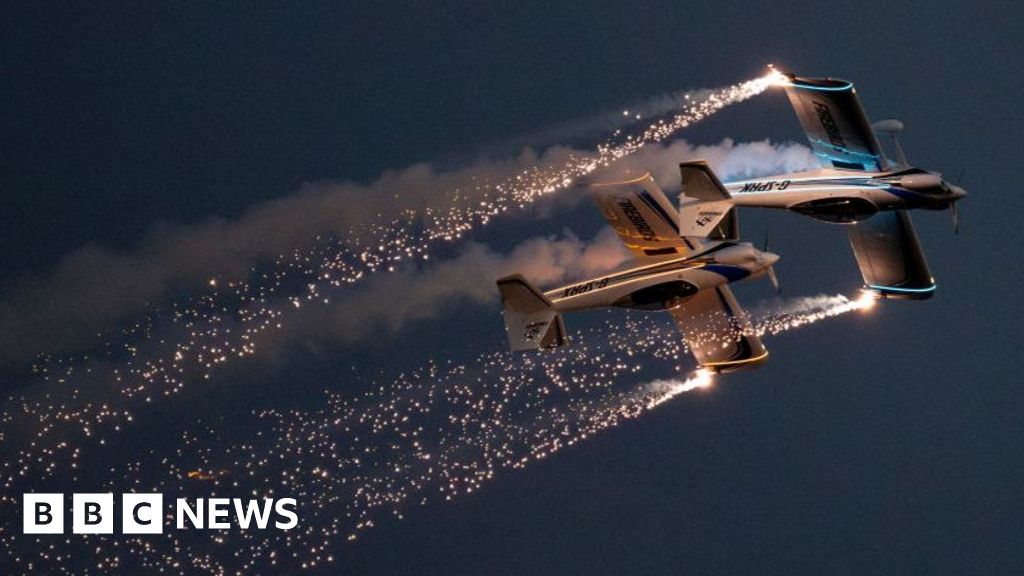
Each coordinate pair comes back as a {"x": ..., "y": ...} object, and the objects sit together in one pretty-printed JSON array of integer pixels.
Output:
[
  {"x": 224, "y": 323},
  {"x": 170, "y": 349},
  {"x": 664, "y": 390},
  {"x": 429, "y": 435},
  {"x": 808, "y": 310},
  {"x": 356, "y": 456}
]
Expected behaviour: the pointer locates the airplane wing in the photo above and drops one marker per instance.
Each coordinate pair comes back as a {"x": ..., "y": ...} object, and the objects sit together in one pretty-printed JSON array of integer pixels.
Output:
[
  {"x": 642, "y": 217},
  {"x": 835, "y": 123},
  {"x": 890, "y": 256},
  {"x": 717, "y": 330}
]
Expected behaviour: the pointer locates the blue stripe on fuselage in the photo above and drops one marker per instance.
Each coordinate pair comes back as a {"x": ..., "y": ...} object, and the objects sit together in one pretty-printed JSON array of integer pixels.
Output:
[
  {"x": 902, "y": 193},
  {"x": 730, "y": 273}
]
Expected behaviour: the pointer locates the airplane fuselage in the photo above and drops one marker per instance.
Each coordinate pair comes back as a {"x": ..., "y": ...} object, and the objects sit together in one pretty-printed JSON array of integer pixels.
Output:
[
  {"x": 846, "y": 196},
  {"x": 666, "y": 284}
]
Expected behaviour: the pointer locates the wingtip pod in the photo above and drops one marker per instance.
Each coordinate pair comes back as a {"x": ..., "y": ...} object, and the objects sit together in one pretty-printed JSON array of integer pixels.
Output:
[{"x": 531, "y": 320}]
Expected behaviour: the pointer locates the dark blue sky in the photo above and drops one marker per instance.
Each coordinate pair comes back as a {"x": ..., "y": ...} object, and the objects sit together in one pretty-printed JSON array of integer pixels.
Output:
[{"x": 886, "y": 444}]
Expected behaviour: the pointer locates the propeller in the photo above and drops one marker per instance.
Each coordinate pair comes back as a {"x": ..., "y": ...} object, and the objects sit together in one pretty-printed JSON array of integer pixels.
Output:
[
  {"x": 771, "y": 269},
  {"x": 774, "y": 279},
  {"x": 954, "y": 212}
]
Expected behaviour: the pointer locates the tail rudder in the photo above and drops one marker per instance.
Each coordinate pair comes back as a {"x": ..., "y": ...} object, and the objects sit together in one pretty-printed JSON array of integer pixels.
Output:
[
  {"x": 706, "y": 209},
  {"x": 531, "y": 321}
]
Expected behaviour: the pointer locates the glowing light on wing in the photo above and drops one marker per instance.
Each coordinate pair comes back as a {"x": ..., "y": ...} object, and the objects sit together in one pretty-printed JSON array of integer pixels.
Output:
[
  {"x": 867, "y": 300},
  {"x": 775, "y": 78},
  {"x": 664, "y": 390},
  {"x": 808, "y": 310}
]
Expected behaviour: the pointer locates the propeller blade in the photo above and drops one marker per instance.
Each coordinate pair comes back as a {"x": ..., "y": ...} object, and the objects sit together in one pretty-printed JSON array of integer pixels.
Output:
[
  {"x": 774, "y": 279},
  {"x": 955, "y": 213}
]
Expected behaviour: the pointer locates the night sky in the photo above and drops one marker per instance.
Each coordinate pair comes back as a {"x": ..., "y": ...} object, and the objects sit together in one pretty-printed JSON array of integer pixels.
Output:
[{"x": 884, "y": 443}]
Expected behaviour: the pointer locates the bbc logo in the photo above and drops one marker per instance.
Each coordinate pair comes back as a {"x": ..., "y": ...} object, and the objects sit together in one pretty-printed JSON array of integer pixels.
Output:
[
  {"x": 92, "y": 513},
  {"x": 143, "y": 513}
]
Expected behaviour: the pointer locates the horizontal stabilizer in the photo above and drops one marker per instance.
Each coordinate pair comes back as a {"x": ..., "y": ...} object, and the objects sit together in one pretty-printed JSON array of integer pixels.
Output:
[
  {"x": 705, "y": 207},
  {"x": 531, "y": 321}
]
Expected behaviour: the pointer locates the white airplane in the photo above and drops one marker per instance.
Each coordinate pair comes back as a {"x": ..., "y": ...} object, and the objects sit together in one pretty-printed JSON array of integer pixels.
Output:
[
  {"x": 688, "y": 277},
  {"x": 857, "y": 185}
]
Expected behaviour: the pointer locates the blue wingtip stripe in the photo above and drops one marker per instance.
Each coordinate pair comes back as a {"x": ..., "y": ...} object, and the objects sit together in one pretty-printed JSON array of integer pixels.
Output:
[{"x": 880, "y": 288}]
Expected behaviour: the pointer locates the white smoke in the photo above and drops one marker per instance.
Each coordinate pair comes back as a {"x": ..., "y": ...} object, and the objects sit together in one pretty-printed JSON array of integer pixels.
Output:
[
  {"x": 390, "y": 301},
  {"x": 93, "y": 289}
]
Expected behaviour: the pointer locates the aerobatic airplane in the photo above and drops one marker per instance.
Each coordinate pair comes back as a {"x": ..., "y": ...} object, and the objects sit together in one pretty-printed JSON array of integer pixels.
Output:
[
  {"x": 688, "y": 277},
  {"x": 857, "y": 185}
]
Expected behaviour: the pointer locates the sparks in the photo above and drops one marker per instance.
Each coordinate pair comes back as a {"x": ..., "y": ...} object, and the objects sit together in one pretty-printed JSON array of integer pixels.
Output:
[
  {"x": 774, "y": 77},
  {"x": 664, "y": 390},
  {"x": 434, "y": 434}
]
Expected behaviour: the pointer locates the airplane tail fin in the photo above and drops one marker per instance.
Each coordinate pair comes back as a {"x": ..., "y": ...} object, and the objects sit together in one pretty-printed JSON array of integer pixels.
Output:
[
  {"x": 531, "y": 320},
  {"x": 706, "y": 209}
]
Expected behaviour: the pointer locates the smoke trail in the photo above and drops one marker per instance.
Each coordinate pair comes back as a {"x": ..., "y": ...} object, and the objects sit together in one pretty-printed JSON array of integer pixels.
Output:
[
  {"x": 92, "y": 290},
  {"x": 396, "y": 218}
]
